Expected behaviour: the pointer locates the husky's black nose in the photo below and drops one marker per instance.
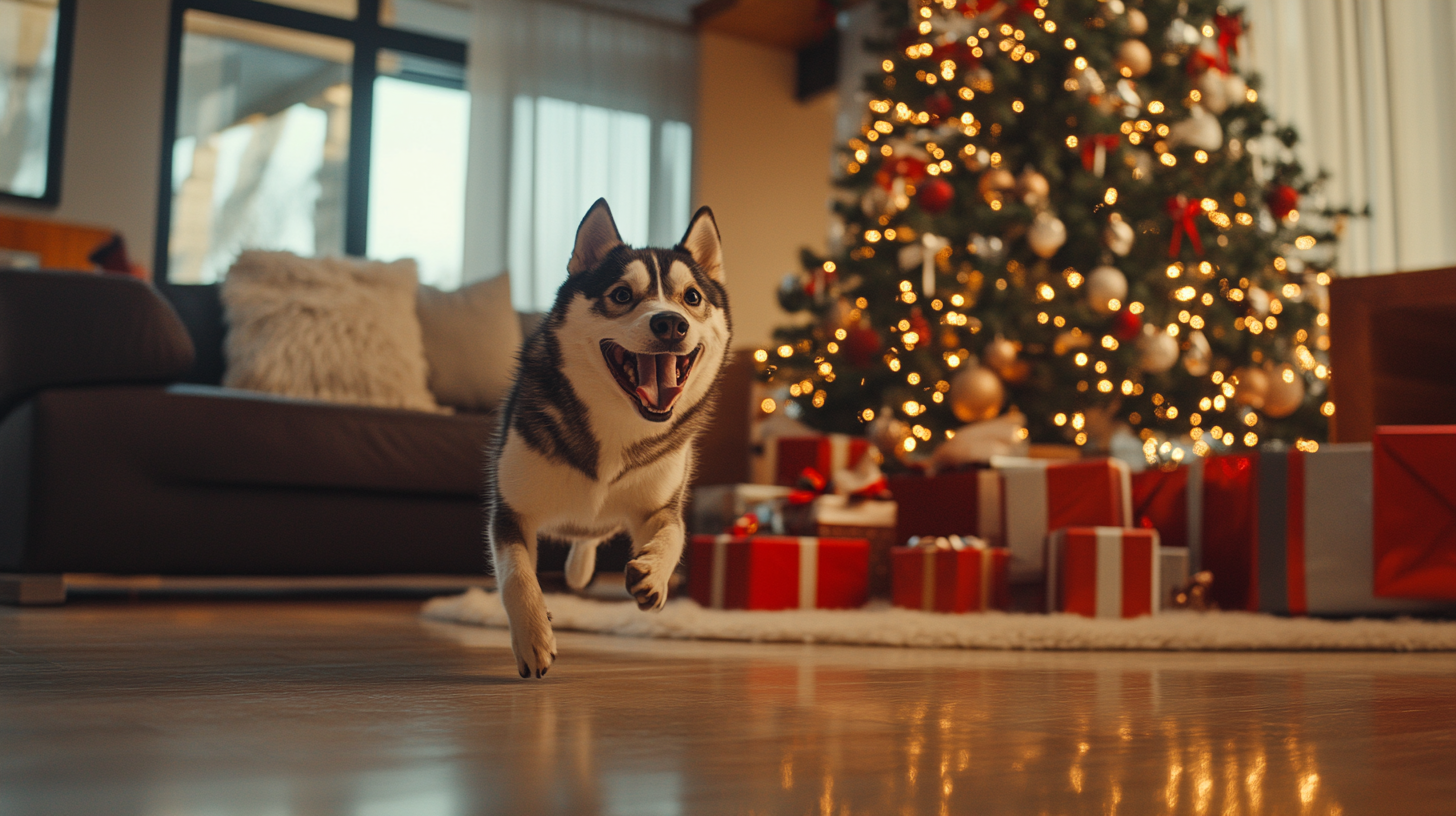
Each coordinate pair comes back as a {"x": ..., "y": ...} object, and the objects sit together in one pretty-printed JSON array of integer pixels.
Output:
[{"x": 669, "y": 327}]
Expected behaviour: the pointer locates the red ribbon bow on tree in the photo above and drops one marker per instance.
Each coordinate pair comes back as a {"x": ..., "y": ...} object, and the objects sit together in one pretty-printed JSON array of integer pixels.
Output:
[
  {"x": 1230, "y": 28},
  {"x": 1106, "y": 142},
  {"x": 1184, "y": 213}
]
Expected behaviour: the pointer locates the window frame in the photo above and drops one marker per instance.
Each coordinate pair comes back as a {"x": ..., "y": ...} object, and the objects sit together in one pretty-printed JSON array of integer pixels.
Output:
[{"x": 368, "y": 35}]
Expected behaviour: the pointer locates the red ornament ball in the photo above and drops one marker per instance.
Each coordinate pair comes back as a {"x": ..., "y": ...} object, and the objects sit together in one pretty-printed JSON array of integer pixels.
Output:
[
  {"x": 862, "y": 345},
  {"x": 938, "y": 105},
  {"x": 1126, "y": 325},
  {"x": 935, "y": 196},
  {"x": 1283, "y": 200}
]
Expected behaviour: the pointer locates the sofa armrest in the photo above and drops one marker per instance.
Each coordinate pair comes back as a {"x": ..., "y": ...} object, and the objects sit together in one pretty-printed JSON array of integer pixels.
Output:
[{"x": 74, "y": 328}]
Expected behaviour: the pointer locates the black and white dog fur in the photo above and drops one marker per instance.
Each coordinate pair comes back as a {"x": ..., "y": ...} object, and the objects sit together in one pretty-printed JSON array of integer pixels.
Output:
[{"x": 597, "y": 436}]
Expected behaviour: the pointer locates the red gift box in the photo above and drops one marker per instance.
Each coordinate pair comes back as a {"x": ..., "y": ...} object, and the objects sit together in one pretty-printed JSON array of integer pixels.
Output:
[
  {"x": 824, "y": 454},
  {"x": 1039, "y": 496},
  {"x": 1288, "y": 532},
  {"x": 935, "y": 579},
  {"x": 1415, "y": 512},
  {"x": 1170, "y": 501},
  {"x": 962, "y": 502},
  {"x": 1103, "y": 572},
  {"x": 778, "y": 572}
]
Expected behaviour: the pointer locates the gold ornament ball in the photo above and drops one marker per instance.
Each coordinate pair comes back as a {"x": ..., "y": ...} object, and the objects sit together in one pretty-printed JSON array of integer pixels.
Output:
[
  {"x": 888, "y": 434},
  {"x": 1104, "y": 285},
  {"x": 1135, "y": 57},
  {"x": 1251, "y": 387},
  {"x": 1046, "y": 234},
  {"x": 1137, "y": 22},
  {"x": 1033, "y": 187},
  {"x": 1000, "y": 353},
  {"x": 1284, "y": 393},
  {"x": 976, "y": 394},
  {"x": 996, "y": 180}
]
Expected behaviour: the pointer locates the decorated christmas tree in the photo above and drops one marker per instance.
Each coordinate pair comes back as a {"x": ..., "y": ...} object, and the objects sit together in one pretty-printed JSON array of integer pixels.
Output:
[{"x": 1074, "y": 209}]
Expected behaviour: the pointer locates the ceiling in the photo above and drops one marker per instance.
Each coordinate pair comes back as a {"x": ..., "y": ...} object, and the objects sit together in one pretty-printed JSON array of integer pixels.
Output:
[{"x": 781, "y": 23}]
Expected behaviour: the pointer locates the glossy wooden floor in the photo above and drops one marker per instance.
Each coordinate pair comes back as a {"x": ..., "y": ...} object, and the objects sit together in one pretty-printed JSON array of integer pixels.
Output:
[{"x": 362, "y": 708}]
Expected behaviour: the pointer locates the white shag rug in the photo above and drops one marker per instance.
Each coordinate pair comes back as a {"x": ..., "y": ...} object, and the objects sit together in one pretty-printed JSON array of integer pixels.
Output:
[{"x": 882, "y": 625}]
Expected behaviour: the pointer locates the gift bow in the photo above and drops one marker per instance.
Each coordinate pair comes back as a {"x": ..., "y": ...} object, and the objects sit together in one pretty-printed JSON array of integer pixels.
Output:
[
  {"x": 812, "y": 485},
  {"x": 1097, "y": 143},
  {"x": 1184, "y": 213}
]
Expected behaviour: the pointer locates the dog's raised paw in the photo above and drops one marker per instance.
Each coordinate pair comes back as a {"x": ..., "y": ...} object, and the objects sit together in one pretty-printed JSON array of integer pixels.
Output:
[
  {"x": 646, "y": 586},
  {"x": 535, "y": 650}
]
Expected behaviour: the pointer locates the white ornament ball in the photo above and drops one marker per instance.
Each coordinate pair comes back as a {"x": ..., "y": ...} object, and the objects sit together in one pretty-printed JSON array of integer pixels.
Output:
[
  {"x": 1135, "y": 57},
  {"x": 1213, "y": 91},
  {"x": 1201, "y": 129},
  {"x": 1235, "y": 89},
  {"x": 1137, "y": 22},
  {"x": 1258, "y": 301},
  {"x": 1251, "y": 386},
  {"x": 1285, "y": 392},
  {"x": 1118, "y": 236},
  {"x": 1104, "y": 285},
  {"x": 994, "y": 181},
  {"x": 976, "y": 394},
  {"x": 1046, "y": 235},
  {"x": 1157, "y": 350},
  {"x": 1198, "y": 357}
]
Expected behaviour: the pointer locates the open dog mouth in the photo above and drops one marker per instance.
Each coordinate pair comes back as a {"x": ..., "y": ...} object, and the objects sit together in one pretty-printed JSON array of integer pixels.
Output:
[{"x": 653, "y": 381}]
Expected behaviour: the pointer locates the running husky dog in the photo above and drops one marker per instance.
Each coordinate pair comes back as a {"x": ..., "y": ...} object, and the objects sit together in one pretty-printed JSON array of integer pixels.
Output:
[{"x": 598, "y": 433}]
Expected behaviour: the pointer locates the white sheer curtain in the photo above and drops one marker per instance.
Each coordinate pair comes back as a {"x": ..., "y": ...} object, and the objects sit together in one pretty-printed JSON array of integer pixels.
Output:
[
  {"x": 1371, "y": 86},
  {"x": 569, "y": 104}
]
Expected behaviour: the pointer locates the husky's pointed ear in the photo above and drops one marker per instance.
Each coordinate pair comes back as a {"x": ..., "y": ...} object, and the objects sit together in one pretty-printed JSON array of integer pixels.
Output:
[
  {"x": 703, "y": 243},
  {"x": 596, "y": 236}
]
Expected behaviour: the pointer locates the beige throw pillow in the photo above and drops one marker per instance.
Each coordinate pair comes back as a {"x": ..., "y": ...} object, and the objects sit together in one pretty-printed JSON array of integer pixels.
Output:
[
  {"x": 471, "y": 339},
  {"x": 335, "y": 329}
]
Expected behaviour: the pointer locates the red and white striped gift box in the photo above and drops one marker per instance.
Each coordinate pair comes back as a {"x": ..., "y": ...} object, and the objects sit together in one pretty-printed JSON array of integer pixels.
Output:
[
  {"x": 778, "y": 572},
  {"x": 1103, "y": 572},
  {"x": 934, "y": 579},
  {"x": 1039, "y": 496}
]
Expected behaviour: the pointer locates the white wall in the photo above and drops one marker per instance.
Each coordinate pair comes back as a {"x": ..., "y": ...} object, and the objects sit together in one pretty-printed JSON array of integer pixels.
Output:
[
  {"x": 762, "y": 162},
  {"x": 114, "y": 127}
]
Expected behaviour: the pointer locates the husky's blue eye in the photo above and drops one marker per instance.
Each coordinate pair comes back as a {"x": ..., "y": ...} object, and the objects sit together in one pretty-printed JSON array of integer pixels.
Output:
[
  {"x": 621, "y": 295},
  {"x": 692, "y": 297}
]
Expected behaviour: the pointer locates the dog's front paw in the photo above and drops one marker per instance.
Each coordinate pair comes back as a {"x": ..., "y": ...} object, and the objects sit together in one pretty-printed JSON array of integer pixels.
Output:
[
  {"x": 534, "y": 645},
  {"x": 648, "y": 584}
]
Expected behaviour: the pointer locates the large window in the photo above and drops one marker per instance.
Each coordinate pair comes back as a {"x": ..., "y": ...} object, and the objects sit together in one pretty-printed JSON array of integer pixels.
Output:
[{"x": 314, "y": 126}]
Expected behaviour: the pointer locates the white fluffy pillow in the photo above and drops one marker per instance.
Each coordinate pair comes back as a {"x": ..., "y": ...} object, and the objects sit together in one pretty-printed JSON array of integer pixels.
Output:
[
  {"x": 471, "y": 339},
  {"x": 334, "y": 329}
]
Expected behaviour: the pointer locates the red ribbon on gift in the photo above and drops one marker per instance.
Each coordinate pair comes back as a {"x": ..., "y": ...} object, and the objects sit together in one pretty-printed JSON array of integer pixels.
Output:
[
  {"x": 811, "y": 485},
  {"x": 1090, "y": 144},
  {"x": 1184, "y": 213}
]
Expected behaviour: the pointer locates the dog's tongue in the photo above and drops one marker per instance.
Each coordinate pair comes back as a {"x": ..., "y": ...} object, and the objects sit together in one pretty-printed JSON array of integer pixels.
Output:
[{"x": 657, "y": 381}]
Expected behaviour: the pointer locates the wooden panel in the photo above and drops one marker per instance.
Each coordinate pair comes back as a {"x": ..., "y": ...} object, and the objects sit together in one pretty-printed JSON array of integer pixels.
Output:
[
  {"x": 1392, "y": 352},
  {"x": 723, "y": 448},
  {"x": 60, "y": 246}
]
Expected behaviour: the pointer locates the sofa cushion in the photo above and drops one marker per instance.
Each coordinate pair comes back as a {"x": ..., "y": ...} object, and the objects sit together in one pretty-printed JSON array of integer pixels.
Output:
[
  {"x": 203, "y": 481},
  {"x": 337, "y": 329},
  {"x": 472, "y": 336},
  {"x": 76, "y": 328}
]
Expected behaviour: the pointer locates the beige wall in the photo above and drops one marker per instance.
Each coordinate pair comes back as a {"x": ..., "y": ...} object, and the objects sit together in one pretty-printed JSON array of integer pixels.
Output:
[
  {"x": 114, "y": 127},
  {"x": 762, "y": 163}
]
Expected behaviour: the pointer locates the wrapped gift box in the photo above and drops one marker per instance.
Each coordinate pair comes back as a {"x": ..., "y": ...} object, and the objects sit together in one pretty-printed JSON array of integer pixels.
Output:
[
  {"x": 778, "y": 572},
  {"x": 826, "y": 455},
  {"x": 1170, "y": 501},
  {"x": 716, "y": 507},
  {"x": 1038, "y": 496},
  {"x": 833, "y": 516},
  {"x": 1104, "y": 572},
  {"x": 935, "y": 579},
  {"x": 1292, "y": 533},
  {"x": 1415, "y": 512},
  {"x": 958, "y": 502}
]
